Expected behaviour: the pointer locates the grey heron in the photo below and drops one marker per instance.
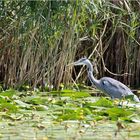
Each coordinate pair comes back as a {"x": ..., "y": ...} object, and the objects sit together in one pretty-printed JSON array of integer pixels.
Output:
[{"x": 110, "y": 86}]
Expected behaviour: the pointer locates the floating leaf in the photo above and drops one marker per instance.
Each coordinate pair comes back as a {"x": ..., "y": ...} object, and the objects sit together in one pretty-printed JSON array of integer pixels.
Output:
[
  {"x": 41, "y": 108},
  {"x": 9, "y": 93},
  {"x": 22, "y": 104},
  {"x": 76, "y": 94},
  {"x": 72, "y": 114},
  {"x": 103, "y": 102},
  {"x": 8, "y": 107},
  {"x": 2, "y": 99},
  {"x": 115, "y": 113},
  {"x": 36, "y": 100}
]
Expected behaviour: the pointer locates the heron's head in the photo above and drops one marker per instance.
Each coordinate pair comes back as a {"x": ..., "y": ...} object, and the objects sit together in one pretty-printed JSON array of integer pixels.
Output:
[{"x": 82, "y": 61}]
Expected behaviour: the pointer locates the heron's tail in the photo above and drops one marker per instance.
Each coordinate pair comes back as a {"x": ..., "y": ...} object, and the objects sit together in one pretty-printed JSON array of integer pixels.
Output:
[{"x": 136, "y": 99}]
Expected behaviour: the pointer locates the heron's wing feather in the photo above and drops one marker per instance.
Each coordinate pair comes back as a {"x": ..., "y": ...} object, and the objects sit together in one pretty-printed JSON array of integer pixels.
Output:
[
  {"x": 115, "y": 84},
  {"x": 108, "y": 83},
  {"x": 114, "y": 88}
]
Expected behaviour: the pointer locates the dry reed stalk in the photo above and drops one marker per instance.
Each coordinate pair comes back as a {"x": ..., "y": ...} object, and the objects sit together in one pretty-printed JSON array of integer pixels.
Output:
[{"x": 37, "y": 46}]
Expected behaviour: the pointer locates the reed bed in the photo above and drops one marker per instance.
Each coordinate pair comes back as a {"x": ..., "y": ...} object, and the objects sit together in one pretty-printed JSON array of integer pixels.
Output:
[{"x": 39, "y": 38}]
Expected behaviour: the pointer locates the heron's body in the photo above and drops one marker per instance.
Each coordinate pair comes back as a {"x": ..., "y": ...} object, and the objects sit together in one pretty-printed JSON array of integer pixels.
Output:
[{"x": 110, "y": 86}]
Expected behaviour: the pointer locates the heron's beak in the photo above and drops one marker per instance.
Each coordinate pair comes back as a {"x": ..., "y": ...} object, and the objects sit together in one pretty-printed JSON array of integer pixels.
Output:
[
  {"x": 75, "y": 64},
  {"x": 71, "y": 64}
]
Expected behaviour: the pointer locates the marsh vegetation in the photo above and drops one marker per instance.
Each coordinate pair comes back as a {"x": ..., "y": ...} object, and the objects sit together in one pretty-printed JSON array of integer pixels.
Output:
[{"x": 41, "y": 94}]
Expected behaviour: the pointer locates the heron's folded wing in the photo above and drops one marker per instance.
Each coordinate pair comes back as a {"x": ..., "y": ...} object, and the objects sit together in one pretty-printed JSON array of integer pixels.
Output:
[{"x": 114, "y": 88}]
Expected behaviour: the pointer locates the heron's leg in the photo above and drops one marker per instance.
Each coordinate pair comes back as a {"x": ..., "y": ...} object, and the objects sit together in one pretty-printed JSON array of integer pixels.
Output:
[
  {"x": 128, "y": 101},
  {"x": 121, "y": 101},
  {"x": 112, "y": 97}
]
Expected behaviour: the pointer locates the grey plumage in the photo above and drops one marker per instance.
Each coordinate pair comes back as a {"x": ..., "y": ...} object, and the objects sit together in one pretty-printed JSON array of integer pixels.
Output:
[{"x": 110, "y": 86}]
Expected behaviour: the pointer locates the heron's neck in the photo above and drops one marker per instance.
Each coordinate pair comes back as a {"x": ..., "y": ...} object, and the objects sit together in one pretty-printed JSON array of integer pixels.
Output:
[
  {"x": 93, "y": 80},
  {"x": 91, "y": 77},
  {"x": 90, "y": 67}
]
